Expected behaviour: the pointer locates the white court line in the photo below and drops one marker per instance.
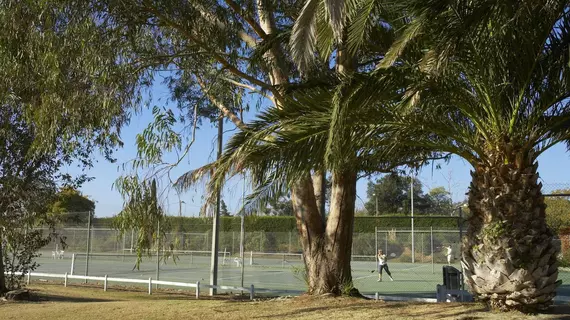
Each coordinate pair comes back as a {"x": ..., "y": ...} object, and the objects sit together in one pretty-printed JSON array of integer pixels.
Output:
[{"x": 365, "y": 277}]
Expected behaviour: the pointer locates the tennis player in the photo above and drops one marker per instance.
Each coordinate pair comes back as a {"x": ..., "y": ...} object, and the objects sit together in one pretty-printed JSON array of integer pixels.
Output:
[{"x": 383, "y": 265}]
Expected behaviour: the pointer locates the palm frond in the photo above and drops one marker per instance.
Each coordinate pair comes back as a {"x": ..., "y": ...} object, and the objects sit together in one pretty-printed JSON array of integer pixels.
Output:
[
  {"x": 414, "y": 29},
  {"x": 303, "y": 37},
  {"x": 336, "y": 13},
  {"x": 358, "y": 27}
]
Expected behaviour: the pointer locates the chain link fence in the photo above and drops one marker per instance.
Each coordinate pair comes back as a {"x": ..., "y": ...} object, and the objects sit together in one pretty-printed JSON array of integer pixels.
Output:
[{"x": 272, "y": 261}]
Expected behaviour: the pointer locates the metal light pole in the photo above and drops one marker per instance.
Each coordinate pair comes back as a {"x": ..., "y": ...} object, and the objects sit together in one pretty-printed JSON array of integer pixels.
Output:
[
  {"x": 412, "y": 207},
  {"x": 216, "y": 219},
  {"x": 376, "y": 199},
  {"x": 242, "y": 235}
]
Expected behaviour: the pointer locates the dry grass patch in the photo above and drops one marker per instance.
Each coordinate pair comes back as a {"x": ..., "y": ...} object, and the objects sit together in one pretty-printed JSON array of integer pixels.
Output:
[{"x": 57, "y": 302}]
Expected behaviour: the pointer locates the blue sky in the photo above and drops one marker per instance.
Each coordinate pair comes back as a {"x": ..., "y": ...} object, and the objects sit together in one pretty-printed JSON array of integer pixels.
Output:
[{"x": 454, "y": 176}]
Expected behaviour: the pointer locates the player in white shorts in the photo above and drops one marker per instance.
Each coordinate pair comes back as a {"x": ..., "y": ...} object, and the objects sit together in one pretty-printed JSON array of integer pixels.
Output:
[
  {"x": 383, "y": 265},
  {"x": 449, "y": 254}
]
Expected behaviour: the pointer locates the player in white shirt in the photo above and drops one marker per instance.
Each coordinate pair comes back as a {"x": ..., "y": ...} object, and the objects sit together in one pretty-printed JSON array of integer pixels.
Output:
[
  {"x": 449, "y": 254},
  {"x": 383, "y": 265}
]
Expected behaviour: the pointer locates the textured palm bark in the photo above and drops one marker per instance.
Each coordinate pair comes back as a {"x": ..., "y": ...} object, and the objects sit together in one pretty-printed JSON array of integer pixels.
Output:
[
  {"x": 327, "y": 250},
  {"x": 509, "y": 256}
]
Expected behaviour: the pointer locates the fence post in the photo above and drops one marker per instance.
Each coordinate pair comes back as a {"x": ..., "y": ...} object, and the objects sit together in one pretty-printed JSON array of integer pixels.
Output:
[
  {"x": 290, "y": 249},
  {"x": 376, "y": 240},
  {"x": 72, "y": 263},
  {"x": 460, "y": 222},
  {"x": 28, "y": 277},
  {"x": 207, "y": 239},
  {"x": 431, "y": 239},
  {"x": 124, "y": 241},
  {"x": 197, "y": 289},
  {"x": 88, "y": 244},
  {"x": 132, "y": 239},
  {"x": 422, "y": 246},
  {"x": 65, "y": 281},
  {"x": 376, "y": 296},
  {"x": 149, "y": 285},
  {"x": 158, "y": 253},
  {"x": 251, "y": 258},
  {"x": 224, "y": 258},
  {"x": 251, "y": 293},
  {"x": 191, "y": 257},
  {"x": 105, "y": 284},
  {"x": 386, "y": 241}
]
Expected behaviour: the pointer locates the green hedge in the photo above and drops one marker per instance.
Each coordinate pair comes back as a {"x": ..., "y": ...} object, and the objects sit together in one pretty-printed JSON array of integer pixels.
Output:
[
  {"x": 285, "y": 224},
  {"x": 367, "y": 224}
]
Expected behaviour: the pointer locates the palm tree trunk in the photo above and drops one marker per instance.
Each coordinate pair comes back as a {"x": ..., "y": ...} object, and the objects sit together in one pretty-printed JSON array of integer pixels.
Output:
[
  {"x": 509, "y": 256},
  {"x": 327, "y": 250}
]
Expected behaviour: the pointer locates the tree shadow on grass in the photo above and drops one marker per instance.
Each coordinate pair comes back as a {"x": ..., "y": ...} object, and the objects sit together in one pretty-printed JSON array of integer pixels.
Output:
[
  {"x": 351, "y": 307},
  {"x": 558, "y": 312},
  {"x": 468, "y": 314},
  {"x": 559, "y": 309},
  {"x": 43, "y": 297}
]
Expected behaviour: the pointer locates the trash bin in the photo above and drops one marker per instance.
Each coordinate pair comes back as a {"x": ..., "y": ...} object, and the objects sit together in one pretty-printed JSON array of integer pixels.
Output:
[{"x": 452, "y": 278}]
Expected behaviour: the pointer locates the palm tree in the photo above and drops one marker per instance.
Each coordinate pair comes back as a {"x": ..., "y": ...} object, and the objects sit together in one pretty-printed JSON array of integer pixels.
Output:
[
  {"x": 281, "y": 149},
  {"x": 492, "y": 87},
  {"x": 306, "y": 135}
]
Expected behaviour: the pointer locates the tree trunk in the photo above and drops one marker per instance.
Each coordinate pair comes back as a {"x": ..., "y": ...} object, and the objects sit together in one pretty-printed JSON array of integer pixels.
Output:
[
  {"x": 326, "y": 243},
  {"x": 320, "y": 188},
  {"x": 509, "y": 257},
  {"x": 327, "y": 251},
  {"x": 2, "y": 276}
]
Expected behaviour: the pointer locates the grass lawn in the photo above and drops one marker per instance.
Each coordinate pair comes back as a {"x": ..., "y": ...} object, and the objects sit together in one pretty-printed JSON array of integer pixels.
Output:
[{"x": 81, "y": 302}]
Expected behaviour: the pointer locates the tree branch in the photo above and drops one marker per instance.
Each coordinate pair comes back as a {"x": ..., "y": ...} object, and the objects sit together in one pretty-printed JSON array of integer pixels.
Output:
[
  {"x": 252, "y": 23},
  {"x": 225, "y": 110},
  {"x": 250, "y": 88},
  {"x": 248, "y": 39},
  {"x": 225, "y": 64}
]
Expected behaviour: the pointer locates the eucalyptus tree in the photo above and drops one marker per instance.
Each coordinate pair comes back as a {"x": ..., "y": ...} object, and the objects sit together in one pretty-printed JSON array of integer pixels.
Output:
[
  {"x": 225, "y": 49},
  {"x": 144, "y": 215},
  {"x": 213, "y": 53},
  {"x": 257, "y": 36},
  {"x": 27, "y": 184},
  {"x": 491, "y": 87},
  {"x": 59, "y": 100}
]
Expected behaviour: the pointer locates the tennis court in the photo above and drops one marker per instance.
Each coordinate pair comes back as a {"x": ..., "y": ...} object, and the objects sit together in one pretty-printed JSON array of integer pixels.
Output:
[{"x": 279, "y": 274}]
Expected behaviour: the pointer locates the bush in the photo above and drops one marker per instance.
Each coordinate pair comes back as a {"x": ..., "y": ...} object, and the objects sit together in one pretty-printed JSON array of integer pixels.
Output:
[{"x": 20, "y": 250}]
